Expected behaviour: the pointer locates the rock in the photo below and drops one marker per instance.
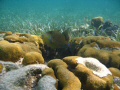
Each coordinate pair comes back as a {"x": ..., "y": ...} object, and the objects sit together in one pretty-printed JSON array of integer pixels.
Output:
[
  {"x": 97, "y": 21},
  {"x": 46, "y": 83},
  {"x": 16, "y": 79},
  {"x": 33, "y": 58},
  {"x": 116, "y": 83},
  {"x": 50, "y": 72},
  {"x": 9, "y": 66}
]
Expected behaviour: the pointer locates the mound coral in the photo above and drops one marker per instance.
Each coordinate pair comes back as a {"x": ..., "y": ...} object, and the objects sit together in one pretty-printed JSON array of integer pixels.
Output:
[
  {"x": 38, "y": 40},
  {"x": 56, "y": 62},
  {"x": 10, "y": 51},
  {"x": 67, "y": 80},
  {"x": 1, "y": 67},
  {"x": 29, "y": 47},
  {"x": 20, "y": 37},
  {"x": 70, "y": 60},
  {"x": 110, "y": 59},
  {"x": 32, "y": 58},
  {"x": 93, "y": 74},
  {"x": 115, "y": 71}
]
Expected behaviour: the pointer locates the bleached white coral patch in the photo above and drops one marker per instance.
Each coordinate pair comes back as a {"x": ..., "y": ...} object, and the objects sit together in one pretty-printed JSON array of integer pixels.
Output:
[{"x": 97, "y": 67}]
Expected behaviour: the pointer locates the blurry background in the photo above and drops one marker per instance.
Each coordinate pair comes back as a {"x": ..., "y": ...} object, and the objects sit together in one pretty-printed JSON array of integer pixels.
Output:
[{"x": 45, "y": 15}]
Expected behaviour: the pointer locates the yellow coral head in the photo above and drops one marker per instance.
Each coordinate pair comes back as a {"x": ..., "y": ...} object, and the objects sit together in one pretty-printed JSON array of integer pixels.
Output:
[{"x": 95, "y": 66}]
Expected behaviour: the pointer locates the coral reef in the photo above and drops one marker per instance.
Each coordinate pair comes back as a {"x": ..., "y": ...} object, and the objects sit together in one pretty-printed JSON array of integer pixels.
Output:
[
  {"x": 1, "y": 67},
  {"x": 10, "y": 51},
  {"x": 104, "y": 49},
  {"x": 33, "y": 58},
  {"x": 20, "y": 37},
  {"x": 93, "y": 74},
  {"x": 67, "y": 80},
  {"x": 39, "y": 42},
  {"x": 77, "y": 72},
  {"x": 115, "y": 72}
]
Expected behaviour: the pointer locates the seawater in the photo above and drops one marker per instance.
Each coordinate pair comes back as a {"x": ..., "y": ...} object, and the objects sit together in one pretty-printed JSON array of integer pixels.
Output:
[{"x": 20, "y": 15}]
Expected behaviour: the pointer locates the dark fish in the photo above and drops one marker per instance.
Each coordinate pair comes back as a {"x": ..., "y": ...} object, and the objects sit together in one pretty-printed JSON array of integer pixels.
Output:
[{"x": 55, "y": 39}]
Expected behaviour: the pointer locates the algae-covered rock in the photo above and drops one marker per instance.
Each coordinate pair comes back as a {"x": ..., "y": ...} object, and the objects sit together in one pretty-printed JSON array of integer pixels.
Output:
[
  {"x": 93, "y": 74},
  {"x": 16, "y": 79},
  {"x": 97, "y": 21},
  {"x": 9, "y": 66},
  {"x": 50, "y": 72},
  {"x": 10, "y": 51},
  {"x": 46, "y": 83},
  {"x": 33, "y": 58}
]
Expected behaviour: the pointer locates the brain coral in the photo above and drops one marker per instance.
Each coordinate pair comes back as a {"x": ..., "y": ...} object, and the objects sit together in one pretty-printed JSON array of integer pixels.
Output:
[
  {"x": 67, "y": 80},
  {"x": 110, "y": 59},
  {"x": 20, "y": 37},
  {"x": 115, "y": 71},
  {"x": 55, "y": 62},
  {"x": 93, "y": 74},
  {"x": 10, "y": 51},
  {"x": 32, "y": 58},
  {"x": 97, "y": 68},
  {"x": 29, "y": 47}
]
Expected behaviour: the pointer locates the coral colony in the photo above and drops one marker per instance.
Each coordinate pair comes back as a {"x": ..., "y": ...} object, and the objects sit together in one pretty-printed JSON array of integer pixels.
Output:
[{"x": 73, "y": 56}]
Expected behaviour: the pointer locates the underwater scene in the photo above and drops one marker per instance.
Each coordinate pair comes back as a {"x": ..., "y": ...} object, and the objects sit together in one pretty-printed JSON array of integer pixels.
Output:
[{"x": 59, "y": 44}]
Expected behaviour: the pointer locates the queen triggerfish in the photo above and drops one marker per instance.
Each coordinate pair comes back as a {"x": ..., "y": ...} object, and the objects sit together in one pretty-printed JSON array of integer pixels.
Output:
[{"x": 59, "y": 41}]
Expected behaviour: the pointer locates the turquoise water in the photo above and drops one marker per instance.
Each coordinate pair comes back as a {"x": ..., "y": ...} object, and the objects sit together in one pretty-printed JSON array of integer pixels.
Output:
[{"x": 44, "y": 15}]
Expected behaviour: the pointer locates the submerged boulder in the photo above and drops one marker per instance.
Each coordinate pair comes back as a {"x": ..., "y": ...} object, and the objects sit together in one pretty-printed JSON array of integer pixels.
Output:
[{"x": 17, "y": 79}]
